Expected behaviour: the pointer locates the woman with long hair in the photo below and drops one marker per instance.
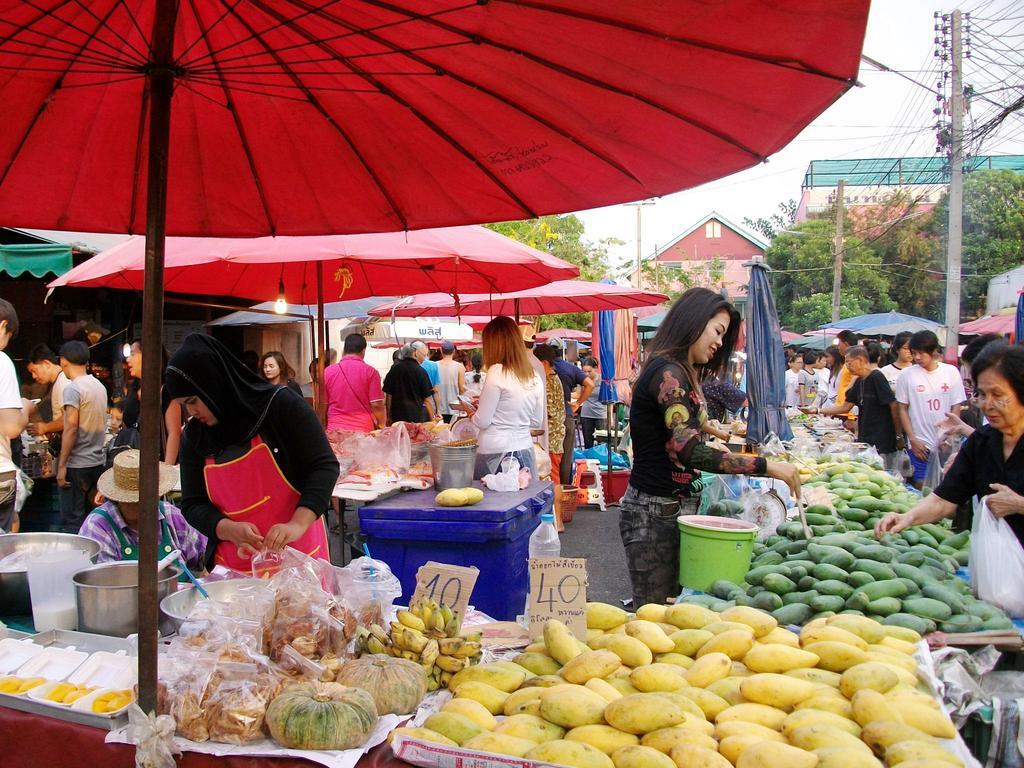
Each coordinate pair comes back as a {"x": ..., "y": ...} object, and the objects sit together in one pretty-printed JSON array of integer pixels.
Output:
[
  {"x": 276, "y": 370},
  {"x": 511, "y": 400},
  {"x": 834, "y": 362},
  {"x": 695, "y": 341}
]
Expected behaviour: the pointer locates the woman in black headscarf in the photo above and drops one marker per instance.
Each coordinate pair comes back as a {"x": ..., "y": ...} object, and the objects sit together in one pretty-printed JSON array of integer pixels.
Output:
[{"x": 256, "y": 468}]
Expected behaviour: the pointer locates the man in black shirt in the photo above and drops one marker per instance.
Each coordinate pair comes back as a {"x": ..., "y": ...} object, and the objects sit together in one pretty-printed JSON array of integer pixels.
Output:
[
  {"x": 876, "y": 404},
  {"x": 408, "y": 390}
]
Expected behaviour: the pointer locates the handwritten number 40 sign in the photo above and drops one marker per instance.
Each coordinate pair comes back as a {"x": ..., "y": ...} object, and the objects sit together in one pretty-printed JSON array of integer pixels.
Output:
[{"x": 558, "y": 590}]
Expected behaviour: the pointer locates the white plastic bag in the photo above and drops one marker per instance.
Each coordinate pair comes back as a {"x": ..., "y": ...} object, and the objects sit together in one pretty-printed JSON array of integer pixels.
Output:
[
  {"x": 997, "y": 561},
  {"x": 507, "y": 479}
]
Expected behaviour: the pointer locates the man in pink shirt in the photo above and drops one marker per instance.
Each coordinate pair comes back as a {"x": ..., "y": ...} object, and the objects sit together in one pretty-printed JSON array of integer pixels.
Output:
[{"x": 355, "y": 401}]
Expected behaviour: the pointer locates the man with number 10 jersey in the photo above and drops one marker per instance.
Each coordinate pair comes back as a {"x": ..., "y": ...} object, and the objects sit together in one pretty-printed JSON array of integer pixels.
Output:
[{"x": 926, "y": 392}]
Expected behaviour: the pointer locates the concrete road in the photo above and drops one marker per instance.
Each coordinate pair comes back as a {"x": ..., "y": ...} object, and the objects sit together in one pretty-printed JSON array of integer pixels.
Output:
[{"x": 594, "y": 534}]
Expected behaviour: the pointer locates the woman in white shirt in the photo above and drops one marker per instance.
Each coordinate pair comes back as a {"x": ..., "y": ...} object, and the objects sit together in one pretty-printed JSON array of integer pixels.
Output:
[{"x": 511, "y": 400}]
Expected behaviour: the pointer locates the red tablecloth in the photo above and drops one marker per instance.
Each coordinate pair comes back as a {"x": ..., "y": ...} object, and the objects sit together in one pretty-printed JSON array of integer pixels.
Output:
[{"x": 28, "y": 740}]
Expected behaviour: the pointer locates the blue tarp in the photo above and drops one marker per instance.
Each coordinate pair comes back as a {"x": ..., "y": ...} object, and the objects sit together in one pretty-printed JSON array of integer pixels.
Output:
[
  {"x": 883, "y": 324},
  {"x": 766, "y": 361}
]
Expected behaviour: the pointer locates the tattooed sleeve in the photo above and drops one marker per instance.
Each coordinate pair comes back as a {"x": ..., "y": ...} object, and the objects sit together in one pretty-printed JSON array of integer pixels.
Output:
[{"x": 684, "y": 415}]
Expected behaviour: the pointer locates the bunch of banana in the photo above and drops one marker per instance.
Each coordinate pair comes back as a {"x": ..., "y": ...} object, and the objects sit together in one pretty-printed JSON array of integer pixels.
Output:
[{"x": 429, "y": 634}]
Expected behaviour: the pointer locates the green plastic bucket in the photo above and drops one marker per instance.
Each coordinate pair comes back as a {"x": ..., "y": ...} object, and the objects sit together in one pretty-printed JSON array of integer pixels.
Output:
[{"x": 712, "y": 548}]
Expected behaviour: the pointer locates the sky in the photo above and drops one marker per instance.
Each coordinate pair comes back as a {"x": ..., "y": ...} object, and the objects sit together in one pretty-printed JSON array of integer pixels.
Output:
[{"x": 887, "y": 117}]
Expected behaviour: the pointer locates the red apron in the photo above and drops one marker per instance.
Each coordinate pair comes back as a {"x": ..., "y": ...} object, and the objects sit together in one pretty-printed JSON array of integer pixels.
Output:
[{"x": 252, "y": 489}]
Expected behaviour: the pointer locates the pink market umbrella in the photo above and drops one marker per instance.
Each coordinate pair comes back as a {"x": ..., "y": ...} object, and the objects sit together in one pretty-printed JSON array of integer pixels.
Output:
[
  {"x": 1002, "y": 324},
  {"x": 283, "y": 117},
  {"x": 566, "y": 334},
  {"x": 471, "y": 258},
  {"x": 552, "y": 299}
]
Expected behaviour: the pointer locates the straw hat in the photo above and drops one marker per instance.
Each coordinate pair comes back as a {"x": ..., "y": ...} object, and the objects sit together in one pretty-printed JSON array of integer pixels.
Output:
[{"x": 121, "y": 481}]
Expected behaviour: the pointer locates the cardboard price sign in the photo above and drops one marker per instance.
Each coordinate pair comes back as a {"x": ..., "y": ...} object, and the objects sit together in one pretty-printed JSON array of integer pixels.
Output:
[
  {"x": 558, "y": 590},
  {"x": 451, "y": 585}
]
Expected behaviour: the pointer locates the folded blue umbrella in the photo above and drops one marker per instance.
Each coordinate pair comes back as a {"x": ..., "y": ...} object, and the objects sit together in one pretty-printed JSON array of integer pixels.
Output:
[{"x": 766, "y": 361}]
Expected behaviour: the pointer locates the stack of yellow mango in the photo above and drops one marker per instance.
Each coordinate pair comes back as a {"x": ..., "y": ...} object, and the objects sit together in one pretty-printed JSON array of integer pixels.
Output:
[
  {"x": 67, "y": 693},
  {"x": 111, "y": 701},
  {"x": 684, "y": 687},
  {"x": 19, "y": 685}
]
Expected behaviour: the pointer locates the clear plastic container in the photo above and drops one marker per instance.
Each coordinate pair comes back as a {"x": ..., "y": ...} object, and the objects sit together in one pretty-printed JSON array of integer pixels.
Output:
[
  {"x": 51, "y": 588},
  {"x": 544, "y": 541}
]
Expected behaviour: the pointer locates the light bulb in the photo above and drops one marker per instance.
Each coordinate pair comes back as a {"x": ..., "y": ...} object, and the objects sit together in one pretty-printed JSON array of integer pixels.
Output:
[
  {"x": 281, "y": 305},
  {"x": 126, "y": 350}
]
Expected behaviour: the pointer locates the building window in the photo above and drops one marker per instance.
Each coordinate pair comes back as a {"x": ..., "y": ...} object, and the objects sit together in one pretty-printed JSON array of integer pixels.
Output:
[{"x": 712, "y": 230}]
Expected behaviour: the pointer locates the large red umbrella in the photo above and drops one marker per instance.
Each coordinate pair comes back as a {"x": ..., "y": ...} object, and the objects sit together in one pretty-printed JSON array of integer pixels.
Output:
[
  {"x": 551, "y": 299},
  {"x": 319, "y": 116},
  {"x": 470, "y": 259},
  {"x": 566, "y": 334},
  {"x": 1002, "y": 324}
]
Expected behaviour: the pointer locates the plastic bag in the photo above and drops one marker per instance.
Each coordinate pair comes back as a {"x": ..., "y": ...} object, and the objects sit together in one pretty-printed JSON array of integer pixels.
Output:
[
  {"x": 386, "y": 450},
  {"x": 542, "y": 459},
  {"x": 997, "y": 561},
  {"x": 937, "y": 458},
  {"x": 722, "y": 496},
  {"x": 372, "y": 590},
  {"x": 270, "y": 565},
  {"x": 236, "y": 701},
  {"x": 506, "y": 479},
  {"x": 184, "y": 677}
]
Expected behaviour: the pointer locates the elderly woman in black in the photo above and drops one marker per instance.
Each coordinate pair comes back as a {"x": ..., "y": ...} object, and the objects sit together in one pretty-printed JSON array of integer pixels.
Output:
[{"x": 991, "y": 461}]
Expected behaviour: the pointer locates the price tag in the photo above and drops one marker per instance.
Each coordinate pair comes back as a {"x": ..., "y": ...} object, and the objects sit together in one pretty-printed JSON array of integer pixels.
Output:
[
  {"x": 558, "y": 590},
  {"x": 451, "y": 585}
]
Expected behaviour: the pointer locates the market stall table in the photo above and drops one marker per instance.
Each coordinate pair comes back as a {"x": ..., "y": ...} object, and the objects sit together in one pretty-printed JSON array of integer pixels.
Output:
[
  {"x": 409, "y": 529},
  {"x": 34, "y": 740}
]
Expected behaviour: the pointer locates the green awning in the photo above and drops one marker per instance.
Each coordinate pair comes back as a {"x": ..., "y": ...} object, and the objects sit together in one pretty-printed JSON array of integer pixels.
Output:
[{"x": 38, "y": 259}]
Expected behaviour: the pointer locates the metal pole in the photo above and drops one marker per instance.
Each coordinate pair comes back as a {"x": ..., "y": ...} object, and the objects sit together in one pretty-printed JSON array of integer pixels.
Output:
[
  {"x": 160, "y": 81},
  {"x": 318, "y": 391},
  {"x": 956, "y": 194},
  {"x": 837, "y": 273},
  {"x": 639, "y": 240}
]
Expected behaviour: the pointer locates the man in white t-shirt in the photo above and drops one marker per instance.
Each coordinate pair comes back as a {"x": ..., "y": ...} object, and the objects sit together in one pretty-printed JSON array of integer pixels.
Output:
[
  {"x": 13, "y": 414},
  {"x": 453, "y": 381},
  {"x": 82, "y": 453},
  {"x": 904, "y": 358},
  {"x": 926, "y": 392}
]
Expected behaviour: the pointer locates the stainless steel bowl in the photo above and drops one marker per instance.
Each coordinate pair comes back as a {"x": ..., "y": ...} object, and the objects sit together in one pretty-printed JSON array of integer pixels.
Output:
[
  {"x": 108, "y": 597},
  {"x": 175, "y": 608},
  {"x": 14, "y": 595}
]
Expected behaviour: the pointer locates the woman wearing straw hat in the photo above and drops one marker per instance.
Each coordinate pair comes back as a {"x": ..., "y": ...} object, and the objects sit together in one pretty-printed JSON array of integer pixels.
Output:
[{"x": 115, "y": 523}]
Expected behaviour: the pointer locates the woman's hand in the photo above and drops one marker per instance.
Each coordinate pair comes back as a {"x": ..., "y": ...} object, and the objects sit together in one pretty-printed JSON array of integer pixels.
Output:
[
  {"x": 281, "y": 535},
  {"x": 1004, "y": 501},
  {"x": 893, "y": 522},
  {"x": 245, "y": 536},
  {"x": 787, "y": 473},
  {"x": 952, "y": 424}
]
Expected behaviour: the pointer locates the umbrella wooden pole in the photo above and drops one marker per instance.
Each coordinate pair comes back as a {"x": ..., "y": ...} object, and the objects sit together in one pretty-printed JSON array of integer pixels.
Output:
[{"x": 161, "y": 87}]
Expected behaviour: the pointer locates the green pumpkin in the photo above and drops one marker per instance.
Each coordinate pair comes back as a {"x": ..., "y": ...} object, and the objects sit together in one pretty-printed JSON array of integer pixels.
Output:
[
  {"x": 321, "y": 716},
  {"x": 397, "y": 685}
]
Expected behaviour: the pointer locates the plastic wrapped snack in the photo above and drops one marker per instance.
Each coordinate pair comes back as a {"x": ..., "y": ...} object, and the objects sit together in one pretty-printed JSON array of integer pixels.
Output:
[
  {"x": 183, "y": 678},
  {"x": 236, "y": 701}
]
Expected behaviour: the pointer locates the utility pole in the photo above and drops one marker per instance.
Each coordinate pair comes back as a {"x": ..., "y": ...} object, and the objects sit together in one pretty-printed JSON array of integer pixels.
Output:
[
  {"x": 840, "y": 245},
  {"x": 956, "y": 189},
  {"x": 639, "y": 205}
]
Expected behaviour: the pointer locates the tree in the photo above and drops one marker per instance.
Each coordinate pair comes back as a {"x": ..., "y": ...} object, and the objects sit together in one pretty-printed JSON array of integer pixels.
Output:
[
  {"x": 770, "y": 227},
  {"x": 900, "y": 232},
  {"x": 562, "y": 236},
  {"x": 816, "y": 309},
  {"x": 803, "y": 262},
  {"x": 993, "y": 232}
]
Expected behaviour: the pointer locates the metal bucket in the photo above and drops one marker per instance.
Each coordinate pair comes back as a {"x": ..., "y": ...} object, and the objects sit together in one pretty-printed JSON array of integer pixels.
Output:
[
  {"x": 452, "y": 466},
  {"x": 108, "y": 597}
]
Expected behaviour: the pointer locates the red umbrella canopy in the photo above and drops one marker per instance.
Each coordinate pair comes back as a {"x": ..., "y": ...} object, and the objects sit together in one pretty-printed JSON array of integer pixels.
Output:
[
  {"x": 551, "y": 299},
  {"x": 298, "y": 117},
  {"x": 989, "y": 324},
  {"x": 354, "y": 266}
]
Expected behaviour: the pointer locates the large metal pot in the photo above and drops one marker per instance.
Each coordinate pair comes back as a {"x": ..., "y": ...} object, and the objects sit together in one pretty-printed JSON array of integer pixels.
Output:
[
  {"x": 108, "y": 597},
  {"x": 14, "y": 595},
  {"x": 452, "y": 465},
  {"x": 175, "y": 608}
]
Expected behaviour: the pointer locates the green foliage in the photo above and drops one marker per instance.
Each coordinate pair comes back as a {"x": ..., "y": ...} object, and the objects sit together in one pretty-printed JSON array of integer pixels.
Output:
[
  {"x": 769, "y": 227},
  {"x": 993, "y": 232},
  {"x": 804, "y": 261},
  {"x": 816, "y": 309},
  {"x": 562, "y": 236}
]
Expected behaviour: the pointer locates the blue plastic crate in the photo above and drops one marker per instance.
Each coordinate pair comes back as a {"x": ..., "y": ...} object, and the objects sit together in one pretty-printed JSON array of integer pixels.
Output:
[{"x": 406, "y": 537}]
